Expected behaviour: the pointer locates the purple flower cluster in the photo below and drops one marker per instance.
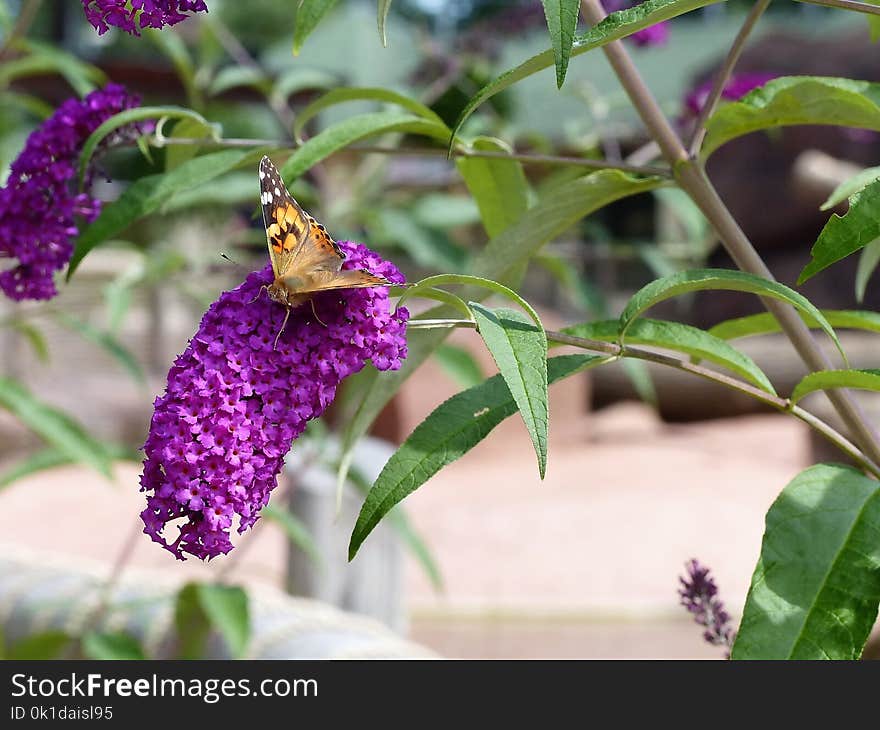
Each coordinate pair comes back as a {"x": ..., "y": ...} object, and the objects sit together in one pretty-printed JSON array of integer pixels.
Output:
[
  {"x": 38, "y": 207},
  {"x": 132, "y": 16},
  {"x": 234, "y": 403},
  {"x": 736, "y": 88},
  {"x": 653, "y": 35},
  {"x": 699, "y": 595}
]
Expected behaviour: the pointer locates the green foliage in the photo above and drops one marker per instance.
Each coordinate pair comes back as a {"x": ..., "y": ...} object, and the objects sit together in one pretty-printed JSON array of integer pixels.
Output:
[
  {"x": 44, "y": 646},
  {"x": 459, "y": 364},
  {"x": 720, "y": 279},
  {"x": 498, "y": 186},
  {"x": 450, "y": 431},
  {"x": 791, "y": 100},
  {"x": 519, "y": 349},
  {"x": 562, "y": 17},
  {"x": 678, "y": 337},
  {"x": 616, "y": 26},
  {"x": 816, "y": 587},
  {"x": 147, "y": 194},
  {"x": 846, "y": 234},
  {"x": 54, "y": 427},
  {"x": 308, "y": 15},
  {"x": 111, "y": 645},
  {"x": 382, "y": 8},
  {"x": 296, "y": 531},
  {"x": 201, "y": 607},
  {"x": 765, "y": 323},
  {"x": 826, "y": 379}
]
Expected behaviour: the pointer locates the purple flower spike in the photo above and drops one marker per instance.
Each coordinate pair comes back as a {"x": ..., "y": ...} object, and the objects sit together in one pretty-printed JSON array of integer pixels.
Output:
[
  {"x": 699, "y": 595},
  {"x": 38, "y": 208},
  {"x": 135, "y": 15},
  {"x": 233, "y": 404}
]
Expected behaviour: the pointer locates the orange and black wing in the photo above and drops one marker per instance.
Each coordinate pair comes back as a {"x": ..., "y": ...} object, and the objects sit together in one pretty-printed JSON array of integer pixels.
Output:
[{"x": 298, "y": 244}]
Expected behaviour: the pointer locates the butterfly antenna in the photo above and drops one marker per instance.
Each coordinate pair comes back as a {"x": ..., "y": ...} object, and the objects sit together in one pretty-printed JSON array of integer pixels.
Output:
[
  {"x": 258, "y": 296},
  {"x": 231, "y": 261}
]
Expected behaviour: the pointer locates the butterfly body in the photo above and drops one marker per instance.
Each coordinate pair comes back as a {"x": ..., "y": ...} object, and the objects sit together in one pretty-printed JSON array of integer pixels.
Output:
[{"x": 305, "y": 259}]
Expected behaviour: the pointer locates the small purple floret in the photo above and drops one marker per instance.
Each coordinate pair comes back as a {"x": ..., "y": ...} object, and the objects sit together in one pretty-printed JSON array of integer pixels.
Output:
[
  {"x": 653, "y": 35},
  {"x": 699, "y": 595},
  {"x": 233, "y": 404},
  {"x": 132, "y": 16},
  {"x": 38, "y": 207},
  {"x": 736, "y": 88}
]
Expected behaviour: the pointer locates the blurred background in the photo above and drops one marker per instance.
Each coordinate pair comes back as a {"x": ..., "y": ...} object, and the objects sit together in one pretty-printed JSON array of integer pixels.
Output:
[{"x": 647, "y": 468}]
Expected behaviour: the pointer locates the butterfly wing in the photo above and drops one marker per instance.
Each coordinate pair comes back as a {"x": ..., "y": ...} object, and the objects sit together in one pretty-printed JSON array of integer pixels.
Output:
[
  {"x": 298, "y": 244},
  {"x": 347, "y": 279}
]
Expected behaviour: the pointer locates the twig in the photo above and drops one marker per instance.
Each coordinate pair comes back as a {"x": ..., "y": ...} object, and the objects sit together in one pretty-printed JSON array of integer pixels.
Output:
[
  {"x": 22, "y": 25},
  {"x": 724, "y": 73},
  {"x": 525, "y": 158},
  {"x": 693, "y": 180}
]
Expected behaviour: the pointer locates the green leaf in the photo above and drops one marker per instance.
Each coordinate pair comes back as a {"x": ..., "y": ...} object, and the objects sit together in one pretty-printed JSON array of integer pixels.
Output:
[
  {"x": 201, "y": 607},
  {"x": 308, "y": 15},
  {"x": 680, "y": 338},
  {"x": 107, "y": 342},
  {"x": 227, "y": 609},
  {"x": 791, "y": 100},
  {"x": 45, "y": 58},
  {"x": 107, "y": 646},
  {"x": 721, "y": 279},
  {"x": 129, "y": 116},
  {"x": 503, "y": 255},
  {"x": 851, "y": 186},
  {"x": 459, "y": 364},
  {"x": 765, "y": 323},
  {"x": 50, "y": 457},
  {"x": 173, "y": 47},
  {"x": 562, "y": 18},
  {"x": 382, "y": 8},
  {"x": 615, "y": 26},
  {"x": 298, "y": 79},
  {"x": 868, "y": 260},
  {"x": 451, "y": 430},
  {"x": 349, "y": 93},
  {"x": 816, "y": 586},
  {"x": 234, "y": 77},
  {"x": 186, "y": 128},
  {"x": 147, "y": 194},
  {"x": 352, "y": 130},
  {"x": 498, "y": 186},
  {"x": 40, "y": 461},
  {"x": 846, "y": 234},
  {"x": 44, "y": 646},
  {"x": 519, "y": 349},
  {"x": 54, "y": 427},
  {"x": 35, "y": 338},
  {"x": 827, "y": 379},
  {"x": 296, "y": 531}
]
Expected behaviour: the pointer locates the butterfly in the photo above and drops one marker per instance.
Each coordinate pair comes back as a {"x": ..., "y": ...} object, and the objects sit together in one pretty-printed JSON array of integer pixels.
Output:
[{"x": 305, "y": 259}]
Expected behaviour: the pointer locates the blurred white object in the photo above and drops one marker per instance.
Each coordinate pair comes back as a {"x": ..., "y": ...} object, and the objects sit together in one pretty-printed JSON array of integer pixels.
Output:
[{"x": 372, "y": 583}]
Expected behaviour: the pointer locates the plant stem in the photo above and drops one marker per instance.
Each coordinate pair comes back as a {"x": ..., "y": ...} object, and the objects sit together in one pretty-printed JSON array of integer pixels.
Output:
[
  {"x": 693, "y": 180},
  {"x": 846, "y": 5},
  {"x": 529, "y": 159},
  {"x": 724, "y": 73}
]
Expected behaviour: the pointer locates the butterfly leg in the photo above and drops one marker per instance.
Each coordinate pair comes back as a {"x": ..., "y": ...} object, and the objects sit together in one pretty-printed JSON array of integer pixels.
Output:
[
  {"x": 315, "y": 312},
  {"x": 283, "y": 325},
  {"x": 258, "y": 295}
]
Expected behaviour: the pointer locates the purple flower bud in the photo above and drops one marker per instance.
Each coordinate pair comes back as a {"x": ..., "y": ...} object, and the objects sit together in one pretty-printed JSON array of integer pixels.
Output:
[
  {"x": 698, "y": 594},
  {"x": 38, "y": 206},
  {"x": 234, "y": 403},
  {"x": 736, "y": 88},
  {"x": 138, "y": 14},
  {"x": 653, "y": 35}
]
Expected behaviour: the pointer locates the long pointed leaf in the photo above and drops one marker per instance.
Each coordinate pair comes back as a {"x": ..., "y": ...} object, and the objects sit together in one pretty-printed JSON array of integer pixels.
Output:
[
  {"x": 816, "y": 587},
  {"x": 562, "y": 16},
  {"x": 519, "y": 349},
  {"x": 308, "y": 15},
  {"x": 382, "y": 8},
  {"x": 722, "y": 279},
  {"x": 827, "y": 379},
  {"x": 765, "y": 323}
]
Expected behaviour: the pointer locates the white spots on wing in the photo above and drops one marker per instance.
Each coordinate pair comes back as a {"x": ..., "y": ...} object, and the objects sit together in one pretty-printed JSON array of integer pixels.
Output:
[
  {"x": 266, "y": 197},
  {"x": 277, "y": 192},
  {"x": 262, "y": 174}
]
